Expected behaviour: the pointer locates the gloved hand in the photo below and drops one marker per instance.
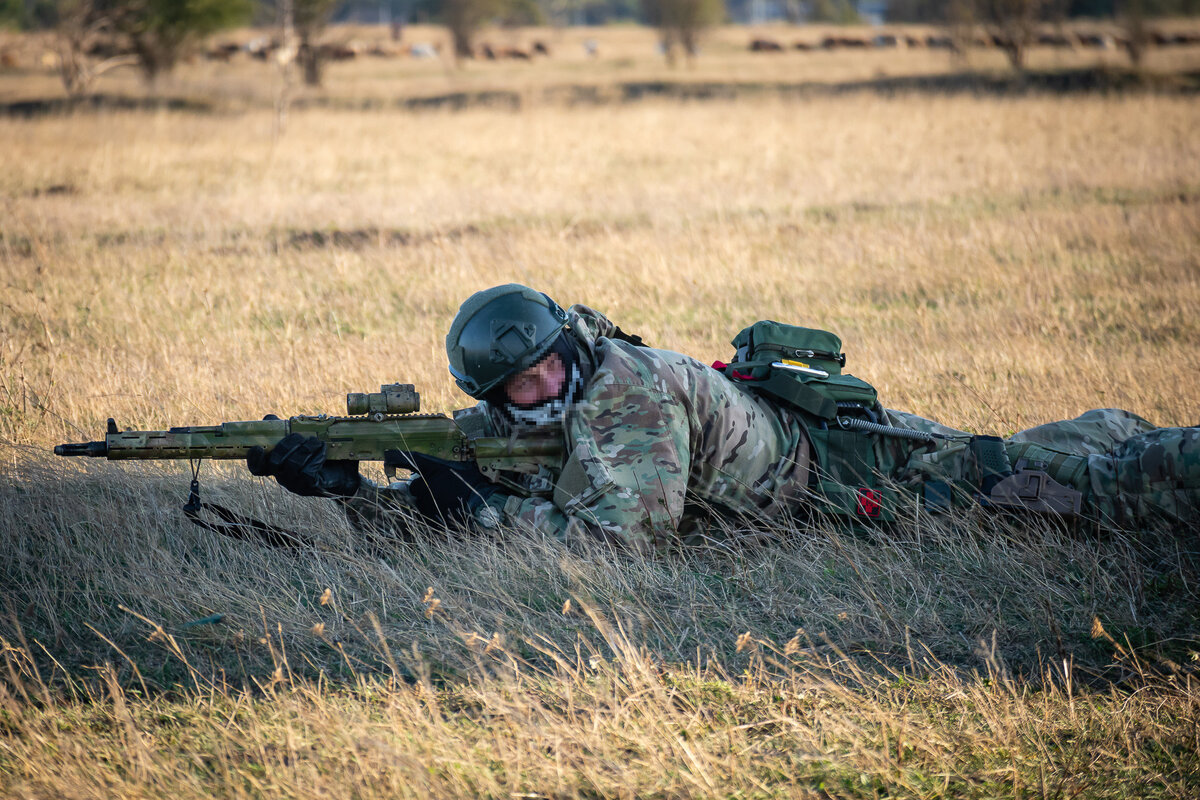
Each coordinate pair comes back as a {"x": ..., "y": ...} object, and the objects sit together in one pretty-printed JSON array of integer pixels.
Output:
[
  {"x": 298, "y": 463},
  {"x": 444, "y": 491}
]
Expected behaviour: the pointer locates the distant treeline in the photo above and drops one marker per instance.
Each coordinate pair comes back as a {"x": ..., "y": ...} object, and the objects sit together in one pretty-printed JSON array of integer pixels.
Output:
[
  {"x": 92, "y": 37},
  {"x": 600, "y": 12},
  {"x": 41, "y": 14}
]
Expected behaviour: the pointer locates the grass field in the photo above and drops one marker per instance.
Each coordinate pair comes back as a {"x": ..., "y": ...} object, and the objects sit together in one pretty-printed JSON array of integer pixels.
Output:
[{"x": 991, "y": 261}]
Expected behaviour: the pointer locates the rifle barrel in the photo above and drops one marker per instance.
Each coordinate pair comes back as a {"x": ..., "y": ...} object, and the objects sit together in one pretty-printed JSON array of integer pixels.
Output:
[{"x": 93, "y": 449}]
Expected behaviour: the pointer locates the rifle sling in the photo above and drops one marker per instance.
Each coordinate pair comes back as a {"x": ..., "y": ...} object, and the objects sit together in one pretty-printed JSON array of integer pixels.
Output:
[{"x": 238, "y": 526}]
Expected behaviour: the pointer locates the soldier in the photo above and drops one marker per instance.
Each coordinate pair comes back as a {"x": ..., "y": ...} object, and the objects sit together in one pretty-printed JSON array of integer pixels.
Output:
[{"x": 656, "y": 442}]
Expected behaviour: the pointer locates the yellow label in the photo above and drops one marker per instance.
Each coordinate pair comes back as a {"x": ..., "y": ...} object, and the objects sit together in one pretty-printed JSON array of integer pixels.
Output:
[{"x": 796, "y": 363}]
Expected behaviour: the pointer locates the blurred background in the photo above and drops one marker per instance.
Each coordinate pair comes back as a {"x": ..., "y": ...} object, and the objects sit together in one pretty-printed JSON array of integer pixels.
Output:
[
  {"x": 226, "y": 51},
  {"x": 316, "y": 184}
]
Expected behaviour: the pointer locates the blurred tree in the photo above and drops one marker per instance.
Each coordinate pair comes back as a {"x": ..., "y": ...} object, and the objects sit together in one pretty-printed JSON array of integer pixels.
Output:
[
  {"x": 83, "y": 43},
  {"x": 680, "y": 23},
  {"x": 1132, "y": 15},
  {"x": 961, "y": 25},
  {"x": 942, "y": 11},
  {"x": 1012, "y": 25},
  {"x": 310, "y": 20},
  {"x": 917, "y": 10},
  {"x": 28, "y": 14},
  {"x": 94, "y": 36},
  {"x": 464, "y": 17},
  {"x": 12, "y": 14},
  {"x": 160, "y": 32},
  {"x": 838, "y": 12},
  {"x": 522, "y": 13}
]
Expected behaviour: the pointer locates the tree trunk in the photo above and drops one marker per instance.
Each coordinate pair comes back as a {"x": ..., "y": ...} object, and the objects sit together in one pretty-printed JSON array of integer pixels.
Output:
[
  {"x": 462, "y": 42},
  {"x": 667, "y": 42},
  {"x": 71, "y": 67},
  {"x": 310, "y": 61},
  {"x": 155, "y": 57},
  {"x": 1133, "y": 19},
  {"x": 691, "y": 44},
  {"x": 1016, "y": 54}
]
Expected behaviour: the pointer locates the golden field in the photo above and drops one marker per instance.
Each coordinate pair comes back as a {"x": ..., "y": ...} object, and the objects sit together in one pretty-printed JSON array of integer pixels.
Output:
[{"x": 994, "y": 261}]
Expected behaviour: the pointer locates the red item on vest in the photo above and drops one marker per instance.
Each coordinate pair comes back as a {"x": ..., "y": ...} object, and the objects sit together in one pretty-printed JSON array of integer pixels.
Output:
[
  {"x": 741, "y": 376},
  {"x": 870, "y": 502}
]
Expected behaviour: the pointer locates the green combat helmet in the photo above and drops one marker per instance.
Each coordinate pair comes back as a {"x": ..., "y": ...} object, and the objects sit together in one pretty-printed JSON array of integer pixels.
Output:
[{"x": 499, "y": 332}]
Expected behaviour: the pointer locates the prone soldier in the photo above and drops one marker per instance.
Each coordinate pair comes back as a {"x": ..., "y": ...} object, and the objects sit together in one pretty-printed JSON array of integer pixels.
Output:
[{"x": 654, "y": 442}]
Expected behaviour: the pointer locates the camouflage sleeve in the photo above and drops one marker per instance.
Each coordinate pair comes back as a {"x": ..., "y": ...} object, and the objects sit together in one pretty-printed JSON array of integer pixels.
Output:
[{"x": 626, "y": 476}]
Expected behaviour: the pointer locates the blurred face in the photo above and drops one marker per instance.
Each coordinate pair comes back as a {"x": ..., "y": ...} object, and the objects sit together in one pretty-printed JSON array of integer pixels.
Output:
[{"x": 537, "y": 384}]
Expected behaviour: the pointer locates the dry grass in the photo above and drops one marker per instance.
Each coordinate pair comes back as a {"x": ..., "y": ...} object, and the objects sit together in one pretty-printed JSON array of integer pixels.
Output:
[
  {"x": 995, "y": 263},
  {"x": 1044, "y": 249}
]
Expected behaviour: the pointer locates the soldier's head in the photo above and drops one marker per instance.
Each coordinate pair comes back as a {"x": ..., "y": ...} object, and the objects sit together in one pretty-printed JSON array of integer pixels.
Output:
[{"x": 510, "y": 345}]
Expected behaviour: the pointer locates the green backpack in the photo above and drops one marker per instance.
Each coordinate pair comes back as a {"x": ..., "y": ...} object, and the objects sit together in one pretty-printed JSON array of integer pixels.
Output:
[{"x": 801, "y": 368}]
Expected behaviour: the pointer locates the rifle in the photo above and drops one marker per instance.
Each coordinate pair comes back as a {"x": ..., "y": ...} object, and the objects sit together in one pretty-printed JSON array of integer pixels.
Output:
[{"x": 378, "y": 426}]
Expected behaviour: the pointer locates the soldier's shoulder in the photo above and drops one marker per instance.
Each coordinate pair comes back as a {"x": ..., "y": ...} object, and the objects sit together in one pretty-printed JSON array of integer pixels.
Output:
[
  {"x": 589, "y": 324},
  {"x": 666, "y": 371}
]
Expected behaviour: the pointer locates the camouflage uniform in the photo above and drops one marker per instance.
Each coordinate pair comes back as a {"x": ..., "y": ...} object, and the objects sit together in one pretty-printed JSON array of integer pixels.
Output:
[
  {"x": 658, "y": 440},
  {"x": 1129, "y": 471}
]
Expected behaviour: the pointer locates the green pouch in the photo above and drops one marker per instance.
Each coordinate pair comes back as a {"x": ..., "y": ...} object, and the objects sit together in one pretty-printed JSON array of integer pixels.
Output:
[
  {"x": 800, "y": 366},
  {"x": 846, "y": 457},
  {"x": 768, "y": 341}
]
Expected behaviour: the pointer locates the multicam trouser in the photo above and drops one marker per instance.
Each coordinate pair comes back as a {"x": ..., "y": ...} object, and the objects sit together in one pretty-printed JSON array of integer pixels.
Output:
[{"x": 1129, "y": 471}]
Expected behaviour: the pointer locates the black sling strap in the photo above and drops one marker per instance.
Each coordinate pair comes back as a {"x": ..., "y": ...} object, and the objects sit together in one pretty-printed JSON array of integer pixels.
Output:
[{"x": 238, "y": 526}]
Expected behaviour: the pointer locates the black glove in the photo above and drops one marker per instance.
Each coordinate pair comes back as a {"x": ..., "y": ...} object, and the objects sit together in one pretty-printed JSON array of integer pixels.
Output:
[
  {"x": 298, "y": 463},
  {"x": 444, "y": 491}
]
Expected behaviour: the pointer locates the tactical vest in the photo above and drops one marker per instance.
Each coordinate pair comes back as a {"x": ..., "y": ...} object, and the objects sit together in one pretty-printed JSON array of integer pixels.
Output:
[
  {"x": 857, "y": 454},
  {"x": 801, "y": 369}
]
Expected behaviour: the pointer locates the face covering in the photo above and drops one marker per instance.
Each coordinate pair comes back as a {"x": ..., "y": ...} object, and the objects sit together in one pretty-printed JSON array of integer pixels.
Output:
[{"x": 552, "y": 411}]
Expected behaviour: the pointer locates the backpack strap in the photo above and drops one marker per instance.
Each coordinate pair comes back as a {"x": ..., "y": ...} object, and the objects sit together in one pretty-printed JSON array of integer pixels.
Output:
[{"x": 781, "y": 386}]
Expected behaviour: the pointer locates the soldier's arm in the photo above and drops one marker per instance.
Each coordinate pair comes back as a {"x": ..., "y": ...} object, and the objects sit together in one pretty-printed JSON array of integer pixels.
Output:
[{"x": 626, "y": 477}]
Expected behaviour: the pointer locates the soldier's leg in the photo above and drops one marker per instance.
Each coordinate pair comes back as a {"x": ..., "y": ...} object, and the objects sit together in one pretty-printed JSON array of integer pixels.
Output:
[
  {"x": 1151, "y": 476},
  {"x": 1095, "y": 431},
  {"x": 1128, "y": 471},
  {"x": 1062, "y": 448}
]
